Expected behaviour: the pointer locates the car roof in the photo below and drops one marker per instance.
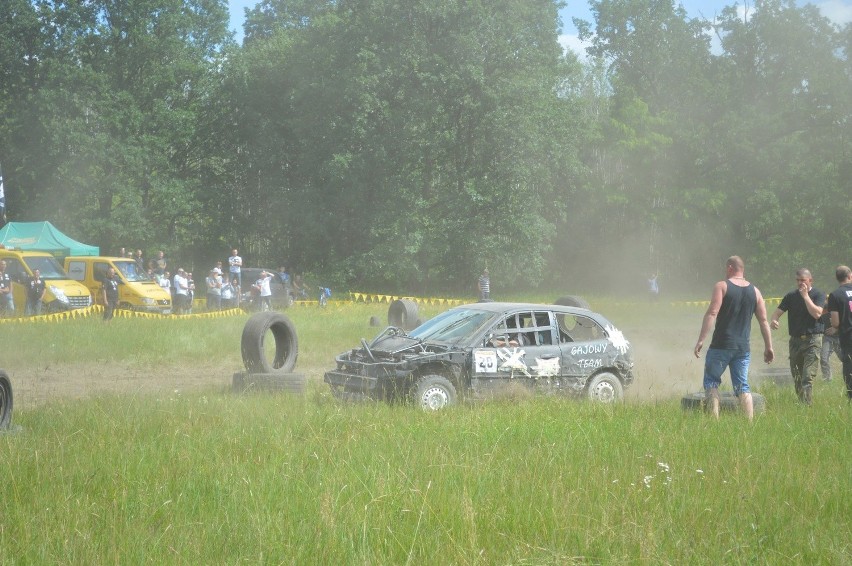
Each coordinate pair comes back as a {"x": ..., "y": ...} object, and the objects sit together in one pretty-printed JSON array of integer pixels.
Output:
[{"x": 498, "y": 307}]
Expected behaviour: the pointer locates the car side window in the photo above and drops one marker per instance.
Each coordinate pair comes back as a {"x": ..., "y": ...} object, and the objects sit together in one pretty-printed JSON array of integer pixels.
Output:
[
  {"x": 523, "y": 329},
  {"x": 578, "y": 328}
]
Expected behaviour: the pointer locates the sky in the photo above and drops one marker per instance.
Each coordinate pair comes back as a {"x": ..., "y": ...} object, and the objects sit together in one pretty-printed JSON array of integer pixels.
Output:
[{"x": 838, "y": 11}]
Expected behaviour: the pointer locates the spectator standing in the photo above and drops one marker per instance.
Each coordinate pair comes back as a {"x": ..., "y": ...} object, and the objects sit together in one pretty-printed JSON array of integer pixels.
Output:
[
  {"x": 190, "y": 292},
  {"x": 227, "y": 295},
  {"x": 484, "y": 286},
  {"x": 140, "y": 262},
  {"x": 109, "y": 287},
  {"x": 160, "y": 264},
  {"x": 35, "y": 294},
  {"x": 181, "y": 291},
  {"x": 235, "y": 264},
  {"x": 732, "y": 304},
  {"x": 265, "y": 290},
  {"x": 804, "y": 305},
  {"x": 830, "y": 344},
  {"x": 214, "y": 290},
  {"x": 653, "y": 288},
  {"x": 7, "y": 300},
  {"x": 840, "y": 310}
]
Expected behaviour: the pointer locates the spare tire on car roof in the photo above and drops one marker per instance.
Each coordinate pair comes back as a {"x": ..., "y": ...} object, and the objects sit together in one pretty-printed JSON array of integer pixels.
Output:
[
  {"x": 402, "y": 313},
  {"x": 572, "y": 301}
]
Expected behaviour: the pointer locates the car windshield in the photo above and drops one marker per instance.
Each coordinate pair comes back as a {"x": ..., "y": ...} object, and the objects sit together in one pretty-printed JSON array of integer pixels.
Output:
[
  {"x": 128, "y": 269},
  {"x": 453, "y": 325},
  {"x": 49, "y": 267}
]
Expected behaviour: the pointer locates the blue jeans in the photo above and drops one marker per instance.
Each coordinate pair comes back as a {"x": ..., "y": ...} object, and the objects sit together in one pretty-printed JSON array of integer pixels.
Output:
[{"x": 715, "y": 363}]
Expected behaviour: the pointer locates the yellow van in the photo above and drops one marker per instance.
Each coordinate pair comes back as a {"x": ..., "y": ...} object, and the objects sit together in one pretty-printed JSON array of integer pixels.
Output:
[
  {"x": 136, "y": 291},
  {"x": 61, "y": 293}
]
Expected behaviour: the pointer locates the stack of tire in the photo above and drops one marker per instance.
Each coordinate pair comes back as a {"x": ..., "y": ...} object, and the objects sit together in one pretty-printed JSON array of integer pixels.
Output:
[
  {"x": 5, "y": 400},
  {"x": 262, "y": 373}
]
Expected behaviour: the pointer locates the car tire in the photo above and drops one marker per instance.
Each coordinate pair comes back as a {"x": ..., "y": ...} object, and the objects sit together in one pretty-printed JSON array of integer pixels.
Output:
[
  {"x": 6, "y": 400},
  {"x": 433, "y": 393},
  {"x": 286, "y": 343},
  {"x": 402, "y": 313},
  {"x": 573, "y": 301},
  {"x": 605, "y": 388},
  {"x": 289, "y": 382},
  {"x": 727, "y": 401}
]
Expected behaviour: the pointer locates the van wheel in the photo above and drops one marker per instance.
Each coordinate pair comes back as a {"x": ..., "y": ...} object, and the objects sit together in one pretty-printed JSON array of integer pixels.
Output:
[
  {"x": 5, "y": 400},
  {"x": 286, "y": 344}
]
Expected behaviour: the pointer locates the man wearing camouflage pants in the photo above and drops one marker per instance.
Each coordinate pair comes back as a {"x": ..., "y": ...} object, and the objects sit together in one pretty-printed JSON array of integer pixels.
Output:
[{"x": 804, "y": 305}]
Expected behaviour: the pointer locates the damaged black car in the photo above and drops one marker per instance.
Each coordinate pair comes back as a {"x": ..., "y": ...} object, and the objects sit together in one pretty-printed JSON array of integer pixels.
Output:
[{"x": 476, "y": 351}]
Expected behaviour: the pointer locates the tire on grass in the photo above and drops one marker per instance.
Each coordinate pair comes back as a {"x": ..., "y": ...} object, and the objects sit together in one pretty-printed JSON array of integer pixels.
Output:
[
  {"x": 572, "y": 301},
  {"x": 286, "y": 344},
  {"x": 605, "y": 387},
  {"x": 434, "y": 392},
  {"x": 727, "y": 402},
  {"x": 6, "y": 400},
  {"x": 288, "y": 382},
  {"x": 402, "y": 313}
]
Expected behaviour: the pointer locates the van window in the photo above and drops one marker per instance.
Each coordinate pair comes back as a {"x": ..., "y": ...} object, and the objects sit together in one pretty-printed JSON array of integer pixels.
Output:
[
  {"x": 47, "y": 266},
  {"x": 99, "y": 270},
  {"x": 16, "y": 270},
  {"x": 77, "y": 270},
  {"x": 130, "y": 271}
]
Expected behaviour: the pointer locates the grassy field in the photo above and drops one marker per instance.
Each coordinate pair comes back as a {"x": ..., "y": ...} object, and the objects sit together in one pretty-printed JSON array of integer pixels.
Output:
[{"x": 130, "y": 468}]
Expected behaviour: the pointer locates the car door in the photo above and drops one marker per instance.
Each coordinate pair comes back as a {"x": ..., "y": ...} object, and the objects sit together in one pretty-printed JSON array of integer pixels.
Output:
[
  {"x": 521, "y": 344},
  {"x": 584, "y": 344}
]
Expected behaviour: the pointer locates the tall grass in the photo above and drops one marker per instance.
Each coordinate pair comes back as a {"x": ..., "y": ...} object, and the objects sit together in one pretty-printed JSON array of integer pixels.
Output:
[{"x": 217, "y": 477}]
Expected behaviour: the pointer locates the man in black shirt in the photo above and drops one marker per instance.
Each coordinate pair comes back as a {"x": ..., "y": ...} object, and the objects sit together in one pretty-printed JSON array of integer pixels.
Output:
[
  {"x": 733, "y": 302},
  {"x": 839, "y": 308},
  {"x": 7, "y": 301},
  {"x": 804, "y": 306},
  {"x": 110, "y": 290},
  {"x": 35, "y": 293}
]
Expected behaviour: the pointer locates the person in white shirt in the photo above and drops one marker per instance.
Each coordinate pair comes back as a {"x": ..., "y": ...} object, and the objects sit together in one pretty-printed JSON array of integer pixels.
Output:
[
  {"x": 235, "y": 264},
  {"x": 181, "y": 286},
  {"x": 263, "y": 284}
]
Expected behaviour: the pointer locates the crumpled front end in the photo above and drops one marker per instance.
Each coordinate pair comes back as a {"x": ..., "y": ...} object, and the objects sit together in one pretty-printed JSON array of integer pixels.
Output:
[{"x": 356, "y": 373}]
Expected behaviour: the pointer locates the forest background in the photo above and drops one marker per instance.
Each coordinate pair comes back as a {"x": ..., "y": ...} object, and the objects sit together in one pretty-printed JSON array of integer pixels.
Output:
[{"x": 403, "y": 146}]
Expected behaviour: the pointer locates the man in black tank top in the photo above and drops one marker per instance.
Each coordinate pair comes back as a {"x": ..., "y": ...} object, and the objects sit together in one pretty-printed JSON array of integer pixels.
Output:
[{"x": 733, "y": 302}]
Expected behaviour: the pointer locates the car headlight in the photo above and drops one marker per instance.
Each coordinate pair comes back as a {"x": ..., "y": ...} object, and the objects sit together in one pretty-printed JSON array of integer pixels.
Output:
[{"x": 59, "y": 294}]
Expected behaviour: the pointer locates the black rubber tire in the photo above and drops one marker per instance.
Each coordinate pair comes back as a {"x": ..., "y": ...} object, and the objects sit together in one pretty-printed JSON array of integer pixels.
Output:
[
  {"x": 605, "y": 388},
  {"x": 6, "y": 400},
  {"x": 433, "y": 393},
  {"x": 374, "y": 321},
  {"x": 289, "y": 382},
  {"x": 286, "y": 343},
  {"x": 573, "y": 301},
  {"x": 727, "y": 402},
  {"x": 402, "y": 313}
]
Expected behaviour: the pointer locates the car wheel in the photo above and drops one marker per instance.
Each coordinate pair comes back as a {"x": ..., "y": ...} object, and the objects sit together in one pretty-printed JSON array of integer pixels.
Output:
[
  {"x": 254, "y": 336},
  {"x": 605, "y": 388},
  {"x": 727, "y": 401},
  {"x": 434, "y": 392},
  {"x": 5, "y": 400},
  {"x": 402, "y": 313},
  {"x": 573, "y": 301}
]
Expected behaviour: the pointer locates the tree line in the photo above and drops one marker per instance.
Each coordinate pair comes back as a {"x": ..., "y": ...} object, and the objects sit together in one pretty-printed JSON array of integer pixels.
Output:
[{"x": 404, "y": 146}]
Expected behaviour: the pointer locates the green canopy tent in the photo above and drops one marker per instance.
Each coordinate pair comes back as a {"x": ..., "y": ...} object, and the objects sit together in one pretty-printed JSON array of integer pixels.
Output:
[{"x": 44, "y": 237}]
